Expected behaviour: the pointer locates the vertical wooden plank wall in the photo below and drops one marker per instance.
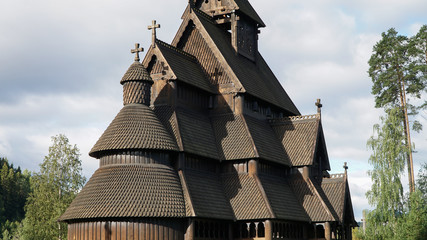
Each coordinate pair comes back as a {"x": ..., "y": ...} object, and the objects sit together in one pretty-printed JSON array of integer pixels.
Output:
[{"x": 131, "y": 230}]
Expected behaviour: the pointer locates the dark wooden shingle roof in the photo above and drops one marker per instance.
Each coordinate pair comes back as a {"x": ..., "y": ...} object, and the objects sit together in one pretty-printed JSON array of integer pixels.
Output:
[
  {"x": 282, "y": 199},
  {"x": 135, "y": 127},
  {"x": 245, "y": 196},
  {"x": 232, "y": 137},
  {"x": 335, "y": 190},
  {"x": 136, "y": 72},
  {"x": 246, "y": 8},
  {"x": 207, "y": 195},
  {"x": 185, "y": 67},
  {"x": 125, "y": 191},
  {"x": 299, "y": 137},
  {"x": 256, "y": 78},
  {"x": 312, "y": 198}
]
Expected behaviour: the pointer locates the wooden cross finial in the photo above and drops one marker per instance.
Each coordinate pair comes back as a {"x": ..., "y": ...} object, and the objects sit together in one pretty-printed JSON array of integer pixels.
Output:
[
  {"x": 319, "y": 106},
  {"x": 153, "y": 28},
  {"x": 137, "y": 50}
]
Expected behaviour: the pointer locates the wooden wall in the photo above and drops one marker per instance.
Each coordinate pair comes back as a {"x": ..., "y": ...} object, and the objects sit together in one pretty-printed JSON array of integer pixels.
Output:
[{"x": 127, "y": 230}]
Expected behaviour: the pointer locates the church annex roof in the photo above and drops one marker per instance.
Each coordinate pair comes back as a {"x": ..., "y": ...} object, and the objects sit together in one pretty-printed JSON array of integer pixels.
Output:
[
  {"x": 282, "y": 199},
  {"x": 207, "y": 195},
  {"x": 184, "y": 66},
  {"x": 135, "y": 127},
  {"x": 299, "y": 137},
  {"x": 114, "y": 191},
  {"x": 337, "y": 191},
  {"x": 312, "y": 198},
  {"x": 245, "y": 196}
]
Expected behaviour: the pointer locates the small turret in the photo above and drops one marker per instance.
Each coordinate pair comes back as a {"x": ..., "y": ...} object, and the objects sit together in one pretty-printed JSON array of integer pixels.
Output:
[{"x": 136, "y": 82}]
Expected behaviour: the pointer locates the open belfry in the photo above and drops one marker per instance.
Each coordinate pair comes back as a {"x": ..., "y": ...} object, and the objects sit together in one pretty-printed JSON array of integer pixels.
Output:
[{"x": 208, "y": 145}]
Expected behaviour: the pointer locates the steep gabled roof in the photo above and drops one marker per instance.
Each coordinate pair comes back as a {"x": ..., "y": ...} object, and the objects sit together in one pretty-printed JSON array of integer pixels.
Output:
[
  {"x": 246, "y": 8},
  {"x": 240, "y": 136},
  {"x": 207, "y": 195},
  {"x": 266, "y": 143},
  {"x": 313, "y": 199},
  {"x": 302, "y": 138},
  {"x": 191, "y": 129},
  {"x": 183, "y": 66},
  {"x": 338, "y": 192},
  {"x": 254, "y": 78},
  {"x": 282, "y": 199},
  {"x": 232, "y": 137},
  {"x": 245, "y": 196}
]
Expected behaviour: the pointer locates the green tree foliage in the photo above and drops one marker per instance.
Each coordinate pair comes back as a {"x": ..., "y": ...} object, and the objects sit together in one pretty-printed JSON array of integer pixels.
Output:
[
  {"x": 14, "y": 190},
  {"x": 398, "y": 65},
  {"x": 398, "y": 68},
  {"x": 54, "y": 187},
  {"x": 398, "y": 71},
  {"x": 388, "y": 161}
]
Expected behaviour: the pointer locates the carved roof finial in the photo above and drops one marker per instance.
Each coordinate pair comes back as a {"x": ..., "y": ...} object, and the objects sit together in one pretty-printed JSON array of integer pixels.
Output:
[
  {"x": 137, "y": 50},
  {"x": 345, "y": 167},
  {"x": 319, "y": 106},
  {"x": 153, "y": 28}
]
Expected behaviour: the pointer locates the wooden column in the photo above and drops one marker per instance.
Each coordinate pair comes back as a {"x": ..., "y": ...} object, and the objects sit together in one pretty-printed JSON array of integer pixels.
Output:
[
  {"x": 268, "y": 230},
  {"x": 252, "y": 167},
  {"x": 304, "y": 232},
  {"x": 189, "y": 234},
  {"x": 230, "y": 231},
  {"x": 328, "y": 231}
]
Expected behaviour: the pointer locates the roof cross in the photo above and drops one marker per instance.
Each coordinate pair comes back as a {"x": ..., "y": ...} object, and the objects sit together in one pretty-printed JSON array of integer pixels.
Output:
[
  {"x": 153, "y": 28},
  {"x": 319, "y": 106},
  {"x": 137, "y": 50}
]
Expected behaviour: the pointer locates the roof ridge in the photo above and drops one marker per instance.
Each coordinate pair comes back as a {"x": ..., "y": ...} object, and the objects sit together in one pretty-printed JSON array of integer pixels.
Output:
[
  {"x": 203, "y": 14},
  {"x": 176, "y": 50},
  {"x": 337, "y": 175},
  {"x": 295, "y": 118}
]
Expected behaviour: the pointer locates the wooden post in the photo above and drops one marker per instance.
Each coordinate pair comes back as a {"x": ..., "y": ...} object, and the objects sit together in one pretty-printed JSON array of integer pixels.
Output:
[
  {"x": 268, "y": 230},
  {"x": 189, "y": 234},
  {"x": 253, "y": 167},
  {"x": 327, "y": 230}
]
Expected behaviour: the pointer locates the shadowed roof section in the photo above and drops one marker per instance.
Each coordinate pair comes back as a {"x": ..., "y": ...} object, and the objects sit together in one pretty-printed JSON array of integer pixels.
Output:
[
  {"x": 245, "y": 196},
  {"x": 282, "y": 199},
  {"x": 135, "y": 127},
  {"x": 149, "y": 190},
  {"x": 207, "y": 195},
  {"x": 299, "y": 137},
  {"x": 246, "y": 8},
  {"x": 232, "y": 137},
  {"x": 185, "y": 67},
  {"x": 337, "y": 190},
  {"x": 312, "y": 198}
]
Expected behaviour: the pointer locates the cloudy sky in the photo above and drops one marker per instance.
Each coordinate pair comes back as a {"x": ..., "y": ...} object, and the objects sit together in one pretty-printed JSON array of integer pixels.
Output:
[{"x": 61, "y": 63}]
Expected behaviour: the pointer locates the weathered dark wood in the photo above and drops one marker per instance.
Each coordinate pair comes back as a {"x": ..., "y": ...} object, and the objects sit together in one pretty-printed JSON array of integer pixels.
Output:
[{"x": 127, "y": 230}]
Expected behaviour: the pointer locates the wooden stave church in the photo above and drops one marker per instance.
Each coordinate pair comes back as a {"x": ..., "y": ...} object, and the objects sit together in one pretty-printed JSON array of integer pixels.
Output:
[{"x": 209, "y": 145}]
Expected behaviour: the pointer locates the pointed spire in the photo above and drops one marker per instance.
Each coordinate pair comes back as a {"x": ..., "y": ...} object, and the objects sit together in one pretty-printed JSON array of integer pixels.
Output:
[{"x": 153, "y": 28}]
